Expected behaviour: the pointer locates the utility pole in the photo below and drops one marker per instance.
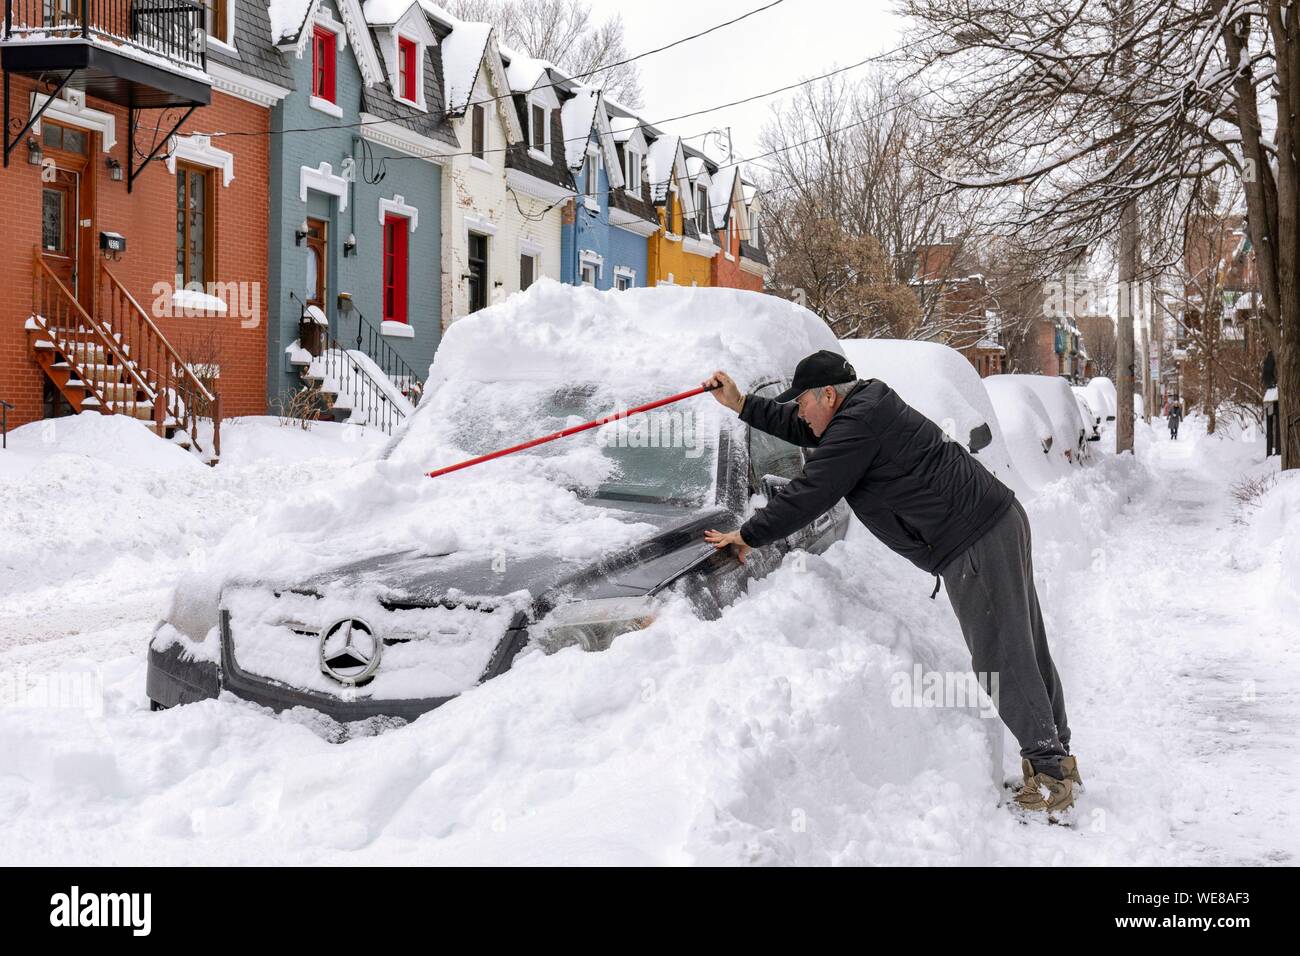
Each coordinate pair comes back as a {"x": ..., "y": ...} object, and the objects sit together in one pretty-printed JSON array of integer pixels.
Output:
[{"x": 1128, "y": 270}]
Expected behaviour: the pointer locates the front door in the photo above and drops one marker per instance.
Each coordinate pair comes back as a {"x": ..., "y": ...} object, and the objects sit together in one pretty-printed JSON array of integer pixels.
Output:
[
  {"x": 313, "y": 335},
  {"x": 68, "y": 208}
]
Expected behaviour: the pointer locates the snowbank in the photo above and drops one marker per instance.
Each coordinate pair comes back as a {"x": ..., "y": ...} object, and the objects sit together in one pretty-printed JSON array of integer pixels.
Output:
[
  {"x": 1062, "y": 411},
  {"x": 944, "y": 387}
]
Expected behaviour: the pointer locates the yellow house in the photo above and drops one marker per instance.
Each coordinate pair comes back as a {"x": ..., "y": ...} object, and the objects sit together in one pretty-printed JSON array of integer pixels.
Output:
[{"x": 681, "y": 252}]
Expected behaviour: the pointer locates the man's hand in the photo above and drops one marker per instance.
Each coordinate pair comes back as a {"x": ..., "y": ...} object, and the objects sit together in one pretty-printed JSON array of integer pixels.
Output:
[
  {"x": 725, "y": 539},
  {"x": 725, "y": 390}
]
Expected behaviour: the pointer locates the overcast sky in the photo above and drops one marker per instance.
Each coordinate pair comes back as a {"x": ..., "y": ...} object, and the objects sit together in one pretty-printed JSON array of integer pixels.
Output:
[{"x": 792, "y": 41}]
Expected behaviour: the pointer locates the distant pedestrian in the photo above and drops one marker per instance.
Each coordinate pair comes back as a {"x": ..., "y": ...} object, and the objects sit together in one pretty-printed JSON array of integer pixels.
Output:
[{"x": 1175, "y": 416}]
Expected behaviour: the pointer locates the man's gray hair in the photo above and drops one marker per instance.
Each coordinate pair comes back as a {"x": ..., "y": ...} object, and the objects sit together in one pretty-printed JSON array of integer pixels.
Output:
[{"x": 843, "y": 388}]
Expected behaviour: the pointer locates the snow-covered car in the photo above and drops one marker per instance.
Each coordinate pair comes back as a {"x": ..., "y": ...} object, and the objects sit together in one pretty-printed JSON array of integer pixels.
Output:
[
  {"x": 574, "y": 542},
  {"x": 941, "y": 384},
  {"x": 1069, "y": 430},
  {"x": 1102, "y": 396},
  {"x": 1091, "y": 419},
  {"x": 1028, "y": 430}
]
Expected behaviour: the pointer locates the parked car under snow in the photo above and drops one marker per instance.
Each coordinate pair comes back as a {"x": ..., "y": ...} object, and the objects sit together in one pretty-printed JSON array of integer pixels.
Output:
[{"x": 574, "y": 542}]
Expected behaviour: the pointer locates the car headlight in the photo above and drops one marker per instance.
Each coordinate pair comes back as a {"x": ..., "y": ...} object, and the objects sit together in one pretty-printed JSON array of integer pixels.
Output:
[{"x": 594, "y": 624}]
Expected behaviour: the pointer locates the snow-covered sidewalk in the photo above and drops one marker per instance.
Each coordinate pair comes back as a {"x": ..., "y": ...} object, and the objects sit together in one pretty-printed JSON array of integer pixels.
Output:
[{"x": 772, "y": 735}]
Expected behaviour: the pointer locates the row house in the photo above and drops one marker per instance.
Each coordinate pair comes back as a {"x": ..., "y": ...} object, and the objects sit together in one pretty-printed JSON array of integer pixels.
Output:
[
  {"x": 960, "y": 308},
  {"x": 136, "y": 242},
  {"x": 346, "y": 178}
]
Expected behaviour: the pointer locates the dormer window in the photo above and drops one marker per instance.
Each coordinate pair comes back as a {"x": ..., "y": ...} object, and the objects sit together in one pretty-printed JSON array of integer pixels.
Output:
[
  {"x": 632, "y": 175},
  {"x": 216, "y": 19},
  {"x": 591, "y": 175},
  {"x": 478, "y": 131},
  {"x": 702, "y": 210},
  {"x": 756, "y": 239},
  {"x": 539, "y": 128},
  {"x": 324, "y": 59},
  {"x": 408, "y": 69}
]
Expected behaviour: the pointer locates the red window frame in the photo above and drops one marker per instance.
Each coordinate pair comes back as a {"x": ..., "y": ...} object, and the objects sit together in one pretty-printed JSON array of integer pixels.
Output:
[
  {"x": 395, "y": 268},
  {"x": 406, "y": 51},
  {"x": 324, "y": 56}
]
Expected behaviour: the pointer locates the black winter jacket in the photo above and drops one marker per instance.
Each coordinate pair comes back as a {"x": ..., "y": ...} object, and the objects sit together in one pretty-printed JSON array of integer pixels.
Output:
[{"x": 920, "y": 493}]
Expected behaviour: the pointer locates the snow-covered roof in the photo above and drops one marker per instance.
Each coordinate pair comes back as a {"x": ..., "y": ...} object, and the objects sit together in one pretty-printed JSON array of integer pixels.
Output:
[
  {"x": 385, "y": 12},
  {"x": 287, "y": 17},
  {"x": 660, "y": 161},
  {"x": 462, "y": 57},
  {"x": 720, "y": 193},
  {"x": 524, "y": 72},
  {"x": 577, "y": 116}
]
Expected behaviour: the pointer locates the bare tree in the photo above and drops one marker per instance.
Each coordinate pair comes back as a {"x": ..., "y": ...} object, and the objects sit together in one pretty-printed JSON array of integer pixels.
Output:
[
  {"x": 563, "y": 33},
  {"x": 1103, "y": 111}
]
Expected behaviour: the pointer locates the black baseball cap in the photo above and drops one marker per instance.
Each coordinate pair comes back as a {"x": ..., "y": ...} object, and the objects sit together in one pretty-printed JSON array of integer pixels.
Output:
[{"x": 817, "y": 370}]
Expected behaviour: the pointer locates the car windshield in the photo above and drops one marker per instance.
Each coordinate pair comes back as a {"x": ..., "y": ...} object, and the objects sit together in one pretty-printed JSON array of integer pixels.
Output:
[{"x": 667, "y": 455}]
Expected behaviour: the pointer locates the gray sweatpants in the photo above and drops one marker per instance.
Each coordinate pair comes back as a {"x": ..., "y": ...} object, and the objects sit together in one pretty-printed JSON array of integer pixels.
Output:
[{"x": 991, "y": 586}]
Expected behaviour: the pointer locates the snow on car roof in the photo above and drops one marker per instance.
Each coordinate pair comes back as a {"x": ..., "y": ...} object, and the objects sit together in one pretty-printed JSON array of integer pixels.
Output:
[
  {"x": 662, "y": 335},
  {"x": 941, "y": 384}
]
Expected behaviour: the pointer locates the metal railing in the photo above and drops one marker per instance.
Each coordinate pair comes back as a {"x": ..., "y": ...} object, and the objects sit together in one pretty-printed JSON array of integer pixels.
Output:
[
  {"x": 353, "y": 387},
  {"x": 172, "y": 29},
  {"x": 370, "y": 340},
  {"x": 4, "y": 423}
]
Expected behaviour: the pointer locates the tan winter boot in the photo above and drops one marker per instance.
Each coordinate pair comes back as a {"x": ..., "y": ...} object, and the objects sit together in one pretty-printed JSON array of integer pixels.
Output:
[
  {"x": 1043, "y": 791},
  {"x": 1070, "y": 767}
]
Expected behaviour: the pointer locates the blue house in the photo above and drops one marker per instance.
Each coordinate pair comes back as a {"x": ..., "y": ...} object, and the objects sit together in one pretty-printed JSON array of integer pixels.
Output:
[
  {"x": 355, "y": 244},
  {"x": 603, "y": 243}
]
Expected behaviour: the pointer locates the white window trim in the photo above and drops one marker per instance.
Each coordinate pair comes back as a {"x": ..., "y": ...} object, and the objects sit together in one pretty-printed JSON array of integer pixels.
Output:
[
  {"x": 701, "y": 209},
  {"x": 397, "y": 207},
  {"x": 588, "y": 258},
  {"x": 527, "y": 247},
  {"x": 543, "y": 154},
  {"x": 629, "y": 155},
  {"x": 418, "y": 102},
  {"x": 483, "y": 227},
  {"x": 323, "y": 180},
  {"x": 198, "y": 149},
  {"x": 392, "y": 329},
  {"x": 70, "y": 109},
  {"x": 227, "y": 45},
  {"x": 326, "y": 19},
  {"x": 325, "y": 106},
  {"x": 623, "y": 272}
]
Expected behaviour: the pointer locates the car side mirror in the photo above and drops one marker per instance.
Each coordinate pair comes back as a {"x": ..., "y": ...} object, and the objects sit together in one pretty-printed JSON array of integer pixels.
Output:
[{"x": 771, "y": 485}]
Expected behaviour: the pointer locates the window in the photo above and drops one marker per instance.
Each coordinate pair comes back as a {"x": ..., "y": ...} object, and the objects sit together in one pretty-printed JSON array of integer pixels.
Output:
[
  {"x": 755, "y": 237},
  {"x": 478, "y": 271},
  {"x": 478, "y": 131},
  {"x": 55, "y": 209},
  {"x": 407, "y": 68},
  {"x": 215, "y": 21},
  {"x": 396, "y": 231},
  {"x": 769, "y": 455},
  {"x": 591, "y": 175},
  {"x": 702, "y": 210},
  {"x": 54, "y": 136},
  {"x": 539, "y": 128},
  {"x": 624, "y": 279},
  {"x": 316, "y": 279},
  {"x": 527, "y": 270},
  {"x": 590, "y": 272},
  {"x": 632, "y": 177},
  {"x": 194, "y": 225},
  {"x": 323, "y": 58}
]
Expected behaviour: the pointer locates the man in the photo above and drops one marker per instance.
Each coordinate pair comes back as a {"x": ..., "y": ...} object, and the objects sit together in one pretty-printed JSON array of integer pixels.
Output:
[
  {"x": 926, "y": 498},
  {"x": 1175, "y": 416}
]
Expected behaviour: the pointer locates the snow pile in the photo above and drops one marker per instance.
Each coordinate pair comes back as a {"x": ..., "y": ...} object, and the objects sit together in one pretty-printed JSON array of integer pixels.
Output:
[
  {"x": 462, "y": 57},
  {"x": 577, "y": 116},
  {"x": 944, "y": 387},
  {"x": 1275, "y": 536}
]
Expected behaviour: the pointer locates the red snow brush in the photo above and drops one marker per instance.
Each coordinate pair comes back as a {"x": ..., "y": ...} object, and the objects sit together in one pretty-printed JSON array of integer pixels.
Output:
[{"x": 575, "y": 429}]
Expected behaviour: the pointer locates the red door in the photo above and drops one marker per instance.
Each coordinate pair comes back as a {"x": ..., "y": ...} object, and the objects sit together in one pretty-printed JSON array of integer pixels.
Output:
[{"x": 395, "y": 268}]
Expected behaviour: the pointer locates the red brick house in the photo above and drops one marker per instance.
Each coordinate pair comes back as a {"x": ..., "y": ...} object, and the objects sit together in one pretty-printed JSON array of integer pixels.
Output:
[
  {"x": 959, "y": 308},
  {"x": 736, "y": 214},
  {"x": 135, "y": 247}
]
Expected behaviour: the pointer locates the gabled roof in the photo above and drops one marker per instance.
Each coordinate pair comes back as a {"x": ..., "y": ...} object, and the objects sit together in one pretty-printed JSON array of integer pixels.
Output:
[
  {"x": 463, "y": 52},
  {"x": 582, "y": 113},
  {"x": 664, "y": 163},
  {"x": 289, "y": 19},
  {"x": 722, "y": 195}
]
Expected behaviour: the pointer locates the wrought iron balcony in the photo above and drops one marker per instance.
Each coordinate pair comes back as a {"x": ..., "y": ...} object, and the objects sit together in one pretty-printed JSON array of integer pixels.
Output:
[{"x": 145, "y": 53}]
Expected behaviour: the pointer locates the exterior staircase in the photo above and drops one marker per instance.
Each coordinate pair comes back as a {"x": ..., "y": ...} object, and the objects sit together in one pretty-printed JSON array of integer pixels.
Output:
[
  {"x": 365, "y": 382},
  {"x": 117, "y": 362}
]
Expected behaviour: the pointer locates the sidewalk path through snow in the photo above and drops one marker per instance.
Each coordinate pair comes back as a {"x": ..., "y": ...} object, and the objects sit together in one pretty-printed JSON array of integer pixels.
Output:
[{"x": 1190, "y": 688}]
